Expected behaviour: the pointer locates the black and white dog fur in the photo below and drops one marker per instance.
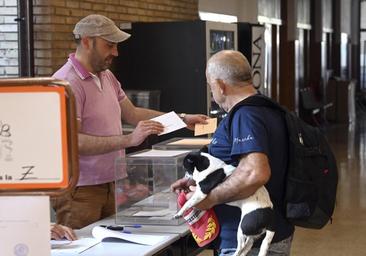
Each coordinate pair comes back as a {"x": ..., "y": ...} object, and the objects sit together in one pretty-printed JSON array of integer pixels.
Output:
[{"x": 256, "y": 211}]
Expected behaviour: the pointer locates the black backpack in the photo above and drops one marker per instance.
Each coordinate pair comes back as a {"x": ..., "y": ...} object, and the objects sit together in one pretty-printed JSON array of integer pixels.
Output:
[{"x": 312, "y": 174}]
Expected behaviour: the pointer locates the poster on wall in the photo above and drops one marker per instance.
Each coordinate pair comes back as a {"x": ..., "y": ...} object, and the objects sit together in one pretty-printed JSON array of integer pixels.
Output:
[{"x": 258, "y": 58}]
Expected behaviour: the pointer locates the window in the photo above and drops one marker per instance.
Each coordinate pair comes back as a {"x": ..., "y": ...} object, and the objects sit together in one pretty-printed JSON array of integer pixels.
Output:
[{"x": 16, "y": 38}]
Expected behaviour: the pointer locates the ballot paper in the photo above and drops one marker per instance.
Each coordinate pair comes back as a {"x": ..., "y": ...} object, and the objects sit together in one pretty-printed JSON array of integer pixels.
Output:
[
  {"x": 59, "y": 243},
  {"x": 99, "y": 235},
  {"x": 25, "y": 225},
  {"x": 210, "y": 127},
  {"x": 65, "y": 247},
  {"x": 103, "y": 234},
  {"x": 171, "y": 122}
]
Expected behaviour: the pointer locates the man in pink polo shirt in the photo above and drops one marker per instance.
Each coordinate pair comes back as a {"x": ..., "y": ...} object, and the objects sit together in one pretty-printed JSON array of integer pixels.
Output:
[{"x": 100, "y": 105}]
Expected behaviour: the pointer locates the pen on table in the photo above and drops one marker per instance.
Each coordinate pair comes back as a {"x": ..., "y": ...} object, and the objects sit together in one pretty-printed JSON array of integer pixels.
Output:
[
  {"x": 133, "y": 226},
  {"x": 111, "y": 227},
  {"x": 130, "y": 226},
  {"x": 120, "y": 227}
]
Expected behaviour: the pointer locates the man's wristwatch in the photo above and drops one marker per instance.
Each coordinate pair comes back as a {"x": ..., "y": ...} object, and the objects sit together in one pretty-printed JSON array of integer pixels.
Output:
[{"x": 182, "y": 115}]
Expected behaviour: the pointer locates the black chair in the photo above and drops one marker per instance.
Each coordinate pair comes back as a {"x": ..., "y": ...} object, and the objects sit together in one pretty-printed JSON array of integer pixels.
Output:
[{"x": 312, "y": 106}]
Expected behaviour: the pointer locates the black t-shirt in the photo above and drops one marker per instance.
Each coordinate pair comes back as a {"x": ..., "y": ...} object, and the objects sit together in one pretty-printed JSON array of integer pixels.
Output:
[{"x": 253, "y": 129}]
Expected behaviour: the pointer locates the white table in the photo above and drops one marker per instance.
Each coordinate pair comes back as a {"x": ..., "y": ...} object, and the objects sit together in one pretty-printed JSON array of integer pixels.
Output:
[{"x": 174, "y": 234}]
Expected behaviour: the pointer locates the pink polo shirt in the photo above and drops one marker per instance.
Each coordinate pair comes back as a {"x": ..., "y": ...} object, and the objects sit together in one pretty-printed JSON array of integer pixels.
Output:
[{"x": 98, "y": 109}]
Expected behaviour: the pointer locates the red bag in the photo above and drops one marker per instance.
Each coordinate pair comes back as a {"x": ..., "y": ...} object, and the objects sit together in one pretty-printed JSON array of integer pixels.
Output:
[{"x": 203, "y": 223}]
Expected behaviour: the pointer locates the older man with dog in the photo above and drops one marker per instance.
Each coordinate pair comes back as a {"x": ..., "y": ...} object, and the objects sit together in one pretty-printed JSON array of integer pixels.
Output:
[{"x": 255, "y": 141}]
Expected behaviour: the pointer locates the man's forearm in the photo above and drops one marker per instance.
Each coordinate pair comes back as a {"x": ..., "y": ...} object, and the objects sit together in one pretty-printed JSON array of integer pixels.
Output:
[
  {"x": 95, "y": 145},
  {"x": 252, "y": 172},
  {"x": 238, "y": 186},
  {"x": 142, "y": 114}
]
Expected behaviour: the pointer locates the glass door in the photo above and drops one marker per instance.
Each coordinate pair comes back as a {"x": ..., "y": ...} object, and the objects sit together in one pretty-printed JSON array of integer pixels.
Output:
[
  {"x": 16, "y": 39},
  {"x": 221, "y": 40},
  {"x": 8, "y": 39},
  {"x": 363, "y": 46},
  {"x": 25, "y": 32}
]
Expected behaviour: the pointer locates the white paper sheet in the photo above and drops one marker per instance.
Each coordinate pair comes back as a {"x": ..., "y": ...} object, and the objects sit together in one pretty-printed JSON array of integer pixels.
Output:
[
  {"x": 72, "y": 247},
  {"x": 160, "y": 153},
  {"x": 24, "y": 225},
  {"x": 59, "y": 243},
  {"x": 171, "y": 121},
  {"x": 103, "y": 233}
]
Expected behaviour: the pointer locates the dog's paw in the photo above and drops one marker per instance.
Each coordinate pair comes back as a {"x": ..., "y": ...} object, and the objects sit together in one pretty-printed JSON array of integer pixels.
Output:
[{"x": 177, "y": 216}]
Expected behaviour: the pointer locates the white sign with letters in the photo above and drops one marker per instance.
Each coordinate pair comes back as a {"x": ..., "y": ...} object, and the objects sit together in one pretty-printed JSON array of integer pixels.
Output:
[
  {"x": 32, "y": 147},
  {"x": 258, "y": 55}
]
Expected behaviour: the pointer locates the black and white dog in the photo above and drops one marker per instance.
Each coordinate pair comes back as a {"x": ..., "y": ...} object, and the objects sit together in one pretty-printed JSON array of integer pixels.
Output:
[{"x": 256, "y": 211}]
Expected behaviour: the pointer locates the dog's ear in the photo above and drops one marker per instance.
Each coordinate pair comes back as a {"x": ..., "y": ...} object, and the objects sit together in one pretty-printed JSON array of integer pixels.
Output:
[
  {"x": 202, "y": 163},
  {"x": 195, "y": 159},
  {"x": 189, "y": 161}
]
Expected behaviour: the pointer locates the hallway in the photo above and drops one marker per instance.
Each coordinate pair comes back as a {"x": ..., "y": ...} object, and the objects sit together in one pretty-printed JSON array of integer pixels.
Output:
[{"x": 346, "y": 235}]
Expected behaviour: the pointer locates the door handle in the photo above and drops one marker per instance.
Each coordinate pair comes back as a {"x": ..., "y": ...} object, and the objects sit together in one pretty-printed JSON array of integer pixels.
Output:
[{"x": 19, "y": 19}]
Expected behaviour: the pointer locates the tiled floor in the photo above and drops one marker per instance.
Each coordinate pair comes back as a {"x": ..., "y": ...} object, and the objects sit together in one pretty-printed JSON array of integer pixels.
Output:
[{"x": 346, "y": 236}]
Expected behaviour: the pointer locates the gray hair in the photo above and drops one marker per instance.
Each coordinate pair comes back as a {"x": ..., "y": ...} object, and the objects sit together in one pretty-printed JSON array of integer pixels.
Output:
[{"x": 230, "y": 66}]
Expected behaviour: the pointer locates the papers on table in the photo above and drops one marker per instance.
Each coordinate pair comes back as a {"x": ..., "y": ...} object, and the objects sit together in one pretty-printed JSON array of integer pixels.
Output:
[
  {"x": 101, "y": 234},
  {"x": 160, "y": 153},
  {"x": 24, "y": 225},
  {"x": 171, "y": 121},
  {"x": 59, "y": 243},
  {"x": 210, "y": 127},
  {"x": 65, "y": 247}
]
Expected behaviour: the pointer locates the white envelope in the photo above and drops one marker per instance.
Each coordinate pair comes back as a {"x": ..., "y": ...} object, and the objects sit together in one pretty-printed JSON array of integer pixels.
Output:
[{"x": 171, "y": 122}]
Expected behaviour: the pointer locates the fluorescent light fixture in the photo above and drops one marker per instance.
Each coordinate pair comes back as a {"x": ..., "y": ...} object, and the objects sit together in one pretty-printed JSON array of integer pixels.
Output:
[
  {"x": 344, "y": 38},
  {"x": 210, "y": 16}
]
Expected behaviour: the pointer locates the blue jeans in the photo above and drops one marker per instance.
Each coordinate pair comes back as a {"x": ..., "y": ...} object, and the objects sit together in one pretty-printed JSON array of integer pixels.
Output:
[{"x": 281, "y": 248}]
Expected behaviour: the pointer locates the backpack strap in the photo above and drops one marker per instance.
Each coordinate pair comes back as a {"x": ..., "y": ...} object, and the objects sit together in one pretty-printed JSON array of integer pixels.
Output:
[
  {"x": 293, "y": 122},
  {"x": 257, "y": 100}
]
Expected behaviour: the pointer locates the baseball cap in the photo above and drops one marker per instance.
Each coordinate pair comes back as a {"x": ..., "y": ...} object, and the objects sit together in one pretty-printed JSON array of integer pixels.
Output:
[
  {"x": 99, "y": 25},
  {"x": 203, "y": 224}
]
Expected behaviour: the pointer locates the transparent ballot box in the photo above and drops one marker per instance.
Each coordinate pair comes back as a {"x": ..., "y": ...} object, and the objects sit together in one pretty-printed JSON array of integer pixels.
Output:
[
  {"x": 143, "y": 182},
  {"x": 194, "y": 143}
]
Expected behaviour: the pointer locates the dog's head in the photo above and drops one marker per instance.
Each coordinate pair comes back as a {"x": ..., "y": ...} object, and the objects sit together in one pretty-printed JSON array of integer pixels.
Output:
[
  {"x": 199, "y": 162},
  {"x": 195, "y": 160}
]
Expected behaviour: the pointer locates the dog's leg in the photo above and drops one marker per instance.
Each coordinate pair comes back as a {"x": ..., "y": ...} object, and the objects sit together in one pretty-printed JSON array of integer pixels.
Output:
[
  {"x": 245, "y": 243},
  {"x": 266, "y": 242},
  {"x": 197, "y": 197},
  {"x": 240, "y": 237},
  {"x": 241, "y": 241},
  {"x": 245, "y": 246}
]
